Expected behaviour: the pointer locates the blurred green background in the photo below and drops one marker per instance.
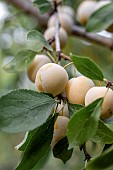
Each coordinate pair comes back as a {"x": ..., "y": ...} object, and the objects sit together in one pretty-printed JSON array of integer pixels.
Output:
[{"x": 14, "y": 25}]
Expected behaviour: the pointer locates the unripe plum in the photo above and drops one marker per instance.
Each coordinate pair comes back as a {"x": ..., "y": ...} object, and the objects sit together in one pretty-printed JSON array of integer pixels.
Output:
[
  {"x": 51, "y": 78},
  {"x": 62, "y": 109},
  {"x": 50, "y": 32},
  {"x": 66, "y": 9},
  {"x": 60, "y": 129},
  {"x": 66, "y": 21},
  {"x": 84, "y": 11},
  {"x": 77, "y": 88},
  {"x": 38, "y": 62},
  {"x": 107, "y": 106}
]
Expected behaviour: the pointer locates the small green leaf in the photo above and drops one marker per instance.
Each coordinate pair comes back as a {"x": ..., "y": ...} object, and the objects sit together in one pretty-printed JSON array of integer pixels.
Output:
[
  {"x": 21, "y": 61},
  {"x": 61, "y": 151},
  {"x": 38, "y": 145},
  {"x": 87, "y": 67},
  {"x": 103, "y": 134},
  {"x": 38, "y": 38},
  {"x": 100, "y": 19},
  {"x": 44, "y": 6},
  {"x": 104, "y": 161},
  {"x": 84, "y": 123},
  {"x": 74, "y": 108},
  {"x": 24, "y": 110}
]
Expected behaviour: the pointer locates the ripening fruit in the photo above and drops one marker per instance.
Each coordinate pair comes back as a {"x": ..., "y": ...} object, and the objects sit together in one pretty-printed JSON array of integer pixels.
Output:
[
  {"x": 60, "y": 129},
  {"x": 66, "y": 9},
  {"x": 84, "y": 11},
  {"x": 77, "y": 88},
  {"x": 66, "y": 21},
  {"x": 107, "y": 106},
  {"x": 62, "y": 109},
  {"x": 38, "y": 62},
  {"x": 50, "y": 32},
  {"x": 51, "y": 78}
]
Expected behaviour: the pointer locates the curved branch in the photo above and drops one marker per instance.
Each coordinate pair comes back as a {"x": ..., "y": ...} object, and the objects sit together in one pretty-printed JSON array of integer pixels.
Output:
[
  {"x": 76, "y": 30},
  {"x": 29, "y": 8},
  {"x": 92, "y": 37}
]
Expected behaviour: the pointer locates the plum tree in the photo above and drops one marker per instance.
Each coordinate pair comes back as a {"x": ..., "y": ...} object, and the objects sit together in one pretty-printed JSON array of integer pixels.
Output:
[
  {"x": 77, "y": 88},
  {"x": 60, "y": 129},
  {"x": 39, "y": 61},
  {"x": 97, "y": 92},
  {"x": 51, "y": 78},
  {"x": 62, "y": 112},
  {"x": 66, "y": 21},
  {"x": 85, "y": 9},
  {"x": 50, "y": 33}
]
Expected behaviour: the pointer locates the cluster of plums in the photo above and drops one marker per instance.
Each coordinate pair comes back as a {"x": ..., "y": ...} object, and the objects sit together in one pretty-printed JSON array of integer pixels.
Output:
[
  {"x": 53, "y": 78},
  {"x": 87, "y": 7},
  {"x": 66, "y": 19}
]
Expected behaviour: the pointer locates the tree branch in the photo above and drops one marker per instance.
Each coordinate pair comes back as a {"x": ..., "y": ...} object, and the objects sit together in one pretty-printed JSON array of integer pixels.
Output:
[
  {"x": 92, "y": 37},
  {"x": 57, "y": 35},
  {"x": 76, "y": 30},
  {"x": 29, "y": 8}
]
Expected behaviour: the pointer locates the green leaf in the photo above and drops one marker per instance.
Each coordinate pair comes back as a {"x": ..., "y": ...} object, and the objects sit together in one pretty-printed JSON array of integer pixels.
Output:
[
  {"x": 100, "y": 19},
  {"x": 87, "y": 67},
  {"x": 24, "y": 110},
  {"x": 61, "y": 151},
  {"x": 42, "y": 161},
  {"x": 110, "y": 126},
  {"x": 38, "y": 38},
  {"x": 102, "y": 162},
  {"x": 74, "y": 108},
  {"x": 103, "y": 134},
  {"x": 38, "y": 146},
  {"x": 3, "y": 92},
  {"x": 44, "y": 6},
  {"x": 21, "y": 61},
  {"x": 84, "y": 123}
]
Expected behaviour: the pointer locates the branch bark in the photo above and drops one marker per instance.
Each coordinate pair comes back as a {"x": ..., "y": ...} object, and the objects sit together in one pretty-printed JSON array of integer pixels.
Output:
[
  {"x": 92, "y": 37},
  {"x": 76, "y": 30}
]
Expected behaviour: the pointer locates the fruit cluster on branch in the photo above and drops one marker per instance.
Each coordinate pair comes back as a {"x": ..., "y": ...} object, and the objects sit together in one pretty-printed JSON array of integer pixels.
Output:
[{"x": 51, "y": 77}]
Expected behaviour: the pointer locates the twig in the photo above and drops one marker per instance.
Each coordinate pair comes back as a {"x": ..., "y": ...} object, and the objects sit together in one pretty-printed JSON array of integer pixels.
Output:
[
  {"x": 65, "y": 57},
  {"x": 57, "y": 35},
  {"x": 68, "y": 64},
  {"x": 87, "y": 156},
  {"x": 50, "y": 56},
  {"x": 92, "y": 37}
]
